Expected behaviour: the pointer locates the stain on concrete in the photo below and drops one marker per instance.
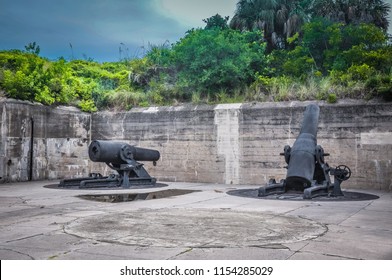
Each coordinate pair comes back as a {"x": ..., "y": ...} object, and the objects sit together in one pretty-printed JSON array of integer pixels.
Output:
[
  {"x": 228, "y": 140},
  {"x": 59, "y": 147},
  {"x": 196, "y": 229}
]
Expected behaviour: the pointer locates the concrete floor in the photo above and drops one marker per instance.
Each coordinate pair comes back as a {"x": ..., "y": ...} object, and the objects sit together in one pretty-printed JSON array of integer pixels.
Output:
[{"x": 44, "y": 223}]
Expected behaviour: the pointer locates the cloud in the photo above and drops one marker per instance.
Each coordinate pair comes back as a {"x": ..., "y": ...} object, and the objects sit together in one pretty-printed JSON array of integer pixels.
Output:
[
  {"x": 93, "y": 27},
  {"x": 192, "y": 13},
  {"x": 98, "y": 28}
]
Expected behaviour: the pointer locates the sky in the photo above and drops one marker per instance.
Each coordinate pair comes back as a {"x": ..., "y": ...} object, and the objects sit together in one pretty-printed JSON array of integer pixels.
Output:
[{"x": 103, "y": 30}]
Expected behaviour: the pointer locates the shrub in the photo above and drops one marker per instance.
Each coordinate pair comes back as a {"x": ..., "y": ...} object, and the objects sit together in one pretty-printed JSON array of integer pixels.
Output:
[
  {"x": 211, "y": 60},
  {"x": 332, "y": 98},
  {"x": 125, "y": 100},
  {"x": 380, "y": 85},
  {"x": 87, "y": 106}
]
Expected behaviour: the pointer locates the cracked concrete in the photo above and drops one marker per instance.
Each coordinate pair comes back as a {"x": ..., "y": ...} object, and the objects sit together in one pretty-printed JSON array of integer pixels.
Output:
[{"x": 43, "y": 223}]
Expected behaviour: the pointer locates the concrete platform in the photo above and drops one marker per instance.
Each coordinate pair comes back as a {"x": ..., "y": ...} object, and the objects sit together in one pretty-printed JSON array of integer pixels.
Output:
[{"x": 44, "y": 223}]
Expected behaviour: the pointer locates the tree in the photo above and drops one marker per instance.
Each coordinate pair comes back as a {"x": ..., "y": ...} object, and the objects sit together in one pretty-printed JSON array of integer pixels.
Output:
[
  {"x": 33, "y": 48},
  {"x": 278, "y": 19},
  {"x": 211, "y": 60},
  {"x": 354, "y": 11},
  {"x": 216, "y": 21},
  {"x": 332, "y": 46}
]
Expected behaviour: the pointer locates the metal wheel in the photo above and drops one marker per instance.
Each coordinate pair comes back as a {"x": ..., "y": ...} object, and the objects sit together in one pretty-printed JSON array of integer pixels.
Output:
[{"x": 342, "y": 172}]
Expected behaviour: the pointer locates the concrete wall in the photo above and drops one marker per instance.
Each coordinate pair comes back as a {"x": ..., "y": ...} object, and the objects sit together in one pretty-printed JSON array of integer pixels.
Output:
[
  {"x": 241, "y": 143},
  {"x": 60, "y": 140},
  {"x": 232, "y": 144}
]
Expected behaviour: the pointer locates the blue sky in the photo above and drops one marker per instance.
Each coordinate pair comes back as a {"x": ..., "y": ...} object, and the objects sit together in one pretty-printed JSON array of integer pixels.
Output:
[{"x": 98, "y": 29}]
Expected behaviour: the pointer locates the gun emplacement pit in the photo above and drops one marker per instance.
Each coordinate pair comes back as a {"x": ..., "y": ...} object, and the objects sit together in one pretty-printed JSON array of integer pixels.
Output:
[
  {"x": 209, "y": 224},
  {"x": 127, "y": 197},
  {"x": 207, "y": 228},
  {"x": 298, "y": 196}
]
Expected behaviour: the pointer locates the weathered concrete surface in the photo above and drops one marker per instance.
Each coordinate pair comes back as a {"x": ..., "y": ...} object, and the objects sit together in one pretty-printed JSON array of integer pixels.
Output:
[
  {"x": 42, "y": 223},
  {"x": 241, "y": 143},
  {"x": 60, "y": 140},
  {"x": 185, "y": 137},
  {"x": 227, "y": 144},
  {"x": 204, "y": 228}
]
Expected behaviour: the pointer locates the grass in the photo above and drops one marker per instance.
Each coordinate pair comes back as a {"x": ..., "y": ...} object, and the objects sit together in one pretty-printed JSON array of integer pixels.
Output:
[
  {"x": 125, "y": 100},
  {"x": 312, "y": 88},
  {"x": 274, "y": 89}
]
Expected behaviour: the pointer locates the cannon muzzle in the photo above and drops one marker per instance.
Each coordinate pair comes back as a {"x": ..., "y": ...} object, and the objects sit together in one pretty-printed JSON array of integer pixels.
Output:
[{"x": 302, "y": 163}]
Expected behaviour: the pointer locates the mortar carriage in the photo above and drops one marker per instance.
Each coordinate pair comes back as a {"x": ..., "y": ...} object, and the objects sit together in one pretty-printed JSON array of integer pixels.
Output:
[
  {"x": 307, "y": 170},
  {"x": 121, "y": 157}
]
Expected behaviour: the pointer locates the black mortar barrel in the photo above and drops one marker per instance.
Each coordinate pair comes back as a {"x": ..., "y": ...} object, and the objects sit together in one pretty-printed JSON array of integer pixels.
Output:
[
  {"x": 300, "y": 170},
  {"x": 119, "y": 152}
]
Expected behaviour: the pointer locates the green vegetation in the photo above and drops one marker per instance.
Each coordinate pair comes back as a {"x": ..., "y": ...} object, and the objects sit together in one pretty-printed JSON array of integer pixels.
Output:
[
  {"x": 270, "y": 51},
  {"x": 26, "y": 76}
]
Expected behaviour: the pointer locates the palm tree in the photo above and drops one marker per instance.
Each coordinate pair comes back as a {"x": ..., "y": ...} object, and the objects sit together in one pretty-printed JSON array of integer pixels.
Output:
[
  {"x": 354, "y": 11},
  {"x": 279, "y": 19}
]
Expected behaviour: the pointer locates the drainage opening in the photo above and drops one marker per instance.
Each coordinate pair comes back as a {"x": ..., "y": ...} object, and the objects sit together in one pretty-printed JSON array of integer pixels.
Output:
[{"x": 127, "y": 197}]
